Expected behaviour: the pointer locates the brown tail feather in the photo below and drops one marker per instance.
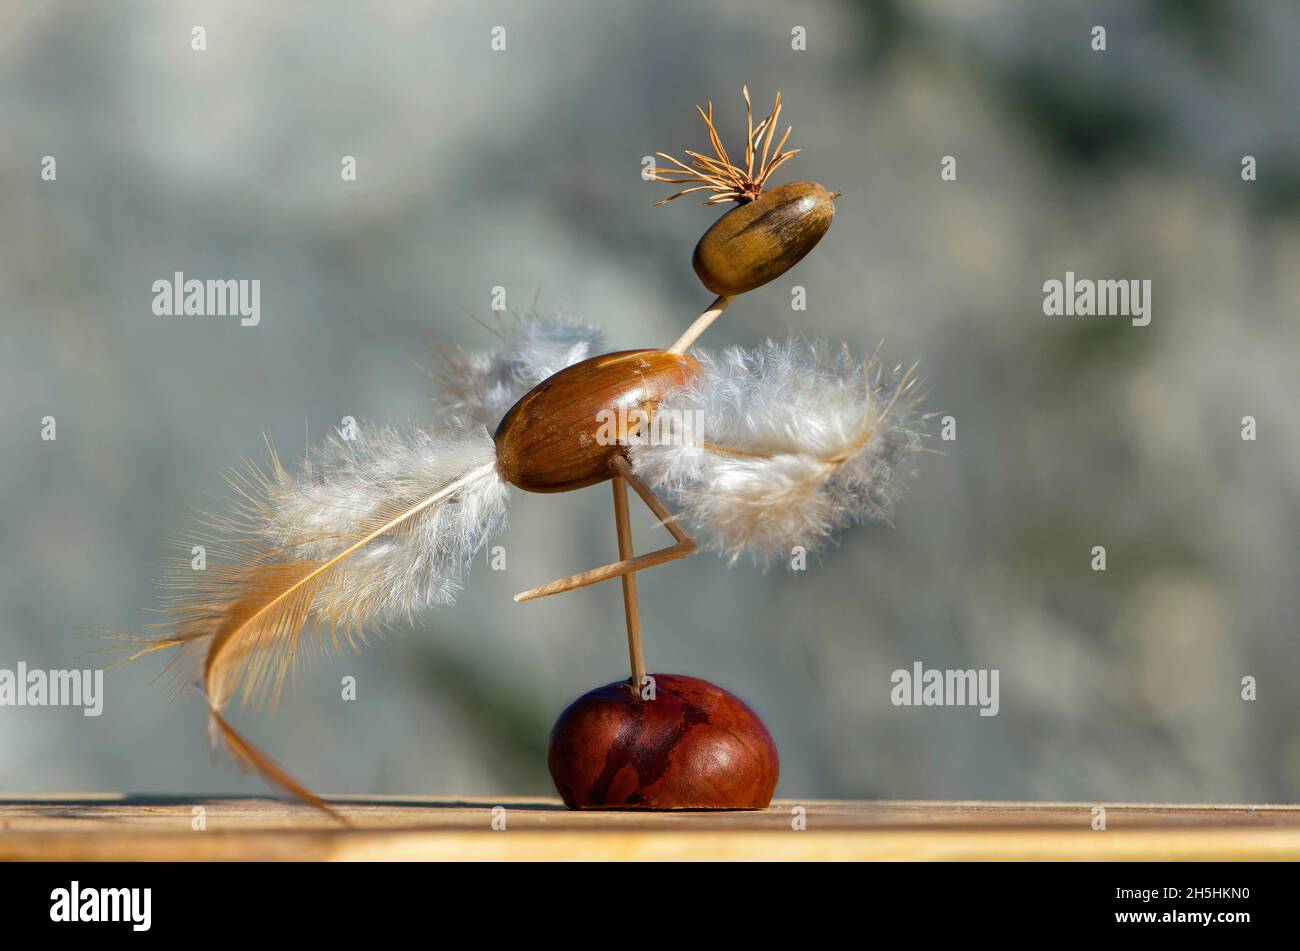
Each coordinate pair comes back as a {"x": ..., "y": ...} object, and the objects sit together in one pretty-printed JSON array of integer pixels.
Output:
[{"x": 250, "y": 758}]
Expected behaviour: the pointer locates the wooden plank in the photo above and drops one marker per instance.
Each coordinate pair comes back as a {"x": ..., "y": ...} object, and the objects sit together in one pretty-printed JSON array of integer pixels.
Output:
[{"x": 116, "y": 827}]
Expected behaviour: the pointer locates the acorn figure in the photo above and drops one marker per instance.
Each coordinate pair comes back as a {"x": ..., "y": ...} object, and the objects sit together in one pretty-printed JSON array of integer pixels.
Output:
[
  {"x": 770, "y": 232},
  {"x": 799, "y": 440}
]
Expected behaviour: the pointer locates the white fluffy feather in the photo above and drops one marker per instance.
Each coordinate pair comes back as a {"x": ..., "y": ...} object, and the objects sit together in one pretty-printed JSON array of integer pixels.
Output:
[
  {"x": 344, "y": 484},
  {"x": 783, "y": 445},
  {"x": 246, "y": 607},
  {"x": 366, "y": 530},
  {"x": 480, "y": 386}
]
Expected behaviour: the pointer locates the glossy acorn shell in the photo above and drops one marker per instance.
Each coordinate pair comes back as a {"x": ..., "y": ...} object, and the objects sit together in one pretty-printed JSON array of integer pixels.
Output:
[
  {"x": 758, "y": 242},
  {"x": 551, "y": 440},
  {"x": 694, "y": 746}
]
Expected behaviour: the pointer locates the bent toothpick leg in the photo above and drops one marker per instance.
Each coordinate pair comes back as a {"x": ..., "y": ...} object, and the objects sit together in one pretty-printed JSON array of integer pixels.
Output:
[{"x": 627, "y": 566}]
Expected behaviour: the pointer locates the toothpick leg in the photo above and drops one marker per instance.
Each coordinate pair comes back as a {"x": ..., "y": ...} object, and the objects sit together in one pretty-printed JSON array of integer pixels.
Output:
[
  {"x": 631, "y": 614},
  {"x": 627, "y": 566}
]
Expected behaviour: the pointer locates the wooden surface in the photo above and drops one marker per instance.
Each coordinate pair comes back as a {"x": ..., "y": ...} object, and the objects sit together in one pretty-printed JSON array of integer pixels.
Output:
[{"x": 107, "y": 826}]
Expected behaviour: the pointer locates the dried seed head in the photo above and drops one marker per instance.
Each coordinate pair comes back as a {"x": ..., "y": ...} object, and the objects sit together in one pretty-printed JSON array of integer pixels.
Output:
[{"x": 727, "y": 181}]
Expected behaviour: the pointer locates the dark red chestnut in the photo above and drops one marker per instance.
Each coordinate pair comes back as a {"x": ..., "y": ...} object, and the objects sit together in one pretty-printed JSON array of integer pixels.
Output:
[{"x": 694, "y": 746}]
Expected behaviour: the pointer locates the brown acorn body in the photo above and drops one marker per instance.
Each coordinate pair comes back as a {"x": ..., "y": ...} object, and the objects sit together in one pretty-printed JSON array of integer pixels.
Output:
[
  {"x": 759, "y": 241},
  {"x": 556, "y": 437},
  {"x": 694, "y": 746}
]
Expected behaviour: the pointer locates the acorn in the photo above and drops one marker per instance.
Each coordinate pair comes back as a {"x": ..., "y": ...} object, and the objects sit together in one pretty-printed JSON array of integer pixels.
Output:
[
  {"x": 772, "y": 230},
  {"x": 688, "y": 744},
  {"x": 564, "y": 433},
  {"x": 762, "y": 239}
]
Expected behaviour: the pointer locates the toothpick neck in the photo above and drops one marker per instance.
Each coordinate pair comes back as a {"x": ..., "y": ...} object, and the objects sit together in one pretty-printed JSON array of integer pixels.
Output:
[{"x": 701, "y": 324}]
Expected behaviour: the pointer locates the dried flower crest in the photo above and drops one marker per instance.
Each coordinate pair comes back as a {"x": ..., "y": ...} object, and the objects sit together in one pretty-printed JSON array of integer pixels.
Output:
[{"x": 727, "y": 181}]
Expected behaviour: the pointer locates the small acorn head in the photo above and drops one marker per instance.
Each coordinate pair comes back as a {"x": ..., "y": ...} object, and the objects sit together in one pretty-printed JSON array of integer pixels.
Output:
[
  {"x": 772, "y": 229},
  {"x": 761, "y": 240}
]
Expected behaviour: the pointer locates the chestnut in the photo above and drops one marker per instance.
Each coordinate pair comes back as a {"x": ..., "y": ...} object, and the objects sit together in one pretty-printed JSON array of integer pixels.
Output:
[{"x": 693, "y": 746}]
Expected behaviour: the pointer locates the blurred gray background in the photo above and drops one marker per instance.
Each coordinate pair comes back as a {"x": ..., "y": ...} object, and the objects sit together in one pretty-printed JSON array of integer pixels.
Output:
[{"x": 522, "y": 169}]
